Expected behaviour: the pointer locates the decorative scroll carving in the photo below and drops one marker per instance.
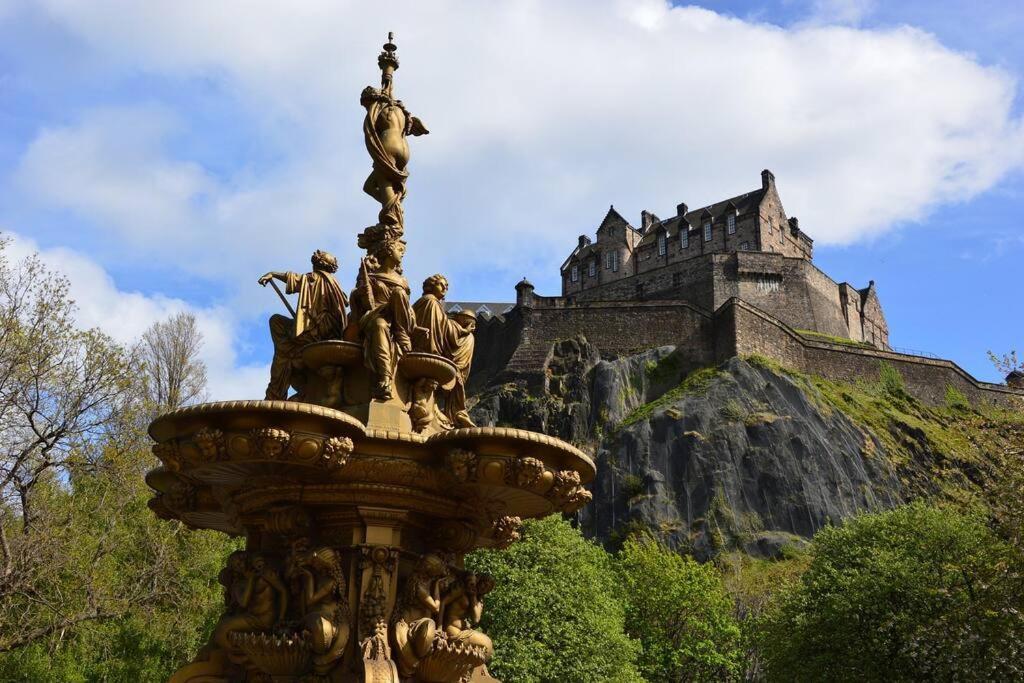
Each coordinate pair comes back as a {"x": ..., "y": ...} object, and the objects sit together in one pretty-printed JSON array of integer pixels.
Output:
[
  {"x": 506, "y": 531},
  {"x": 380, "y": 562}
]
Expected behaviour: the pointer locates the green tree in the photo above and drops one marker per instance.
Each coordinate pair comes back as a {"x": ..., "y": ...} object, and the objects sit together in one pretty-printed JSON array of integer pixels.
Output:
[
  {"x": 916, "y": 593},
  {"x": 680, "y": 612},
  {"x": 556, "y": 613}
]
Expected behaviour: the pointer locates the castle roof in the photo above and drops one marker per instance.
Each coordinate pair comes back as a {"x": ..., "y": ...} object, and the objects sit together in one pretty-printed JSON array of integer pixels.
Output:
[
  {"x": 741, "y": 204},
  {"x": 483, "y": 309},
  {"x": 613, "y": 217}
]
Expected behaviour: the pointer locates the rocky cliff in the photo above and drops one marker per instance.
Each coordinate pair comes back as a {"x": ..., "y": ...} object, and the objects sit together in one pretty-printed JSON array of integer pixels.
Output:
[{"x": 747, "y": 454}]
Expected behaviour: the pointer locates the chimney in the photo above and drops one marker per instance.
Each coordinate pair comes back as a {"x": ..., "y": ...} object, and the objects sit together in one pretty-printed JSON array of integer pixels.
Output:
[
  {"x": 646, "y": 220},
  {"x": 584, "y": 241},
  {"x": 767, "y": 179},
  {"x": 681, "y": 209},
  {"x": 794, "y": 225}
]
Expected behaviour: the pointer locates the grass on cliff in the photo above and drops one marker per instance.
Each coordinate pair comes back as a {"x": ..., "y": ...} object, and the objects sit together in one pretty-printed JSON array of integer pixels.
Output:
[
  {"x": 930, "y": 445},
  {"x": 696, "y": 382}
]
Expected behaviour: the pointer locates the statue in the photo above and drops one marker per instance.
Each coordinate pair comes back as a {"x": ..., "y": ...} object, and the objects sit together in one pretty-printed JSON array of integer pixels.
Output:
[
  {"x": 414, "y": 625},
  {"x": 451, "y": 337},
  {"x": 320, "y": 315},
  {"x": 385, "y": 128},
  {"x": 463, "y": 609},
  {"x": 251, "y": 590},
  {"x": 318, "y": 581},
  {"x": 381, "y": 310}
]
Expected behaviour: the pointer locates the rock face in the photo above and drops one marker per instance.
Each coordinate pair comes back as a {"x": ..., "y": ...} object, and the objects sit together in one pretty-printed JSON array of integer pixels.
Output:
[{"x": 735, "y": 457}]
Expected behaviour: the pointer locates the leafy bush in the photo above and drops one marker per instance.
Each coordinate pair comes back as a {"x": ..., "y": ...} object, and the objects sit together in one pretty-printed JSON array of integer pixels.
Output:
[
  {"x": 955, "y": 400},
  {"x": 556, "y": 613},
  {"x": 679, "y": 611},
  {"x": 891, "y": 381},
  {"x": 916, "y": 593}
]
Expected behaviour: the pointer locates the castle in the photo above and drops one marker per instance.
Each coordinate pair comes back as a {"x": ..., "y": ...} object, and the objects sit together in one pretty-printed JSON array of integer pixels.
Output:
[
  {"x": 742, "y": 247},
  {"x": 732, "y": 278}
]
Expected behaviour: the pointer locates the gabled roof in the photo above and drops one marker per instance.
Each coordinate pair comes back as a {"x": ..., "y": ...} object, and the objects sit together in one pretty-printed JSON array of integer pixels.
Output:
[{"x": 613, "y": 217}]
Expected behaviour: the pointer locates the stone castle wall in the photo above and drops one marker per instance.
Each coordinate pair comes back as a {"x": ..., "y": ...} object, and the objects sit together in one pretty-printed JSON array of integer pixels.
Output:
[
  {"x": 518, "y": 346},
  {"x": 792, "y": 289}
]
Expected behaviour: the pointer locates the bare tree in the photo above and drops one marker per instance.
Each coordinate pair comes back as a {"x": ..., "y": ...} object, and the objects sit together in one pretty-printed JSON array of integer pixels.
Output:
[
  {"x": 1007, "y": 363},
  {"x": 173, "y": 374}
]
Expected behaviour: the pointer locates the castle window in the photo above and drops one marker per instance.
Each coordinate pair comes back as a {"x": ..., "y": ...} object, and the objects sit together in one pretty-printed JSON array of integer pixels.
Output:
[
  {"x": 592, "y": 267},
  {"x": 744, "y": 246},
  {"x": 662, "y": 244},
  {"x": 730, "y": 224},
  {"x": 615, "y": 261},
  {"x": 608, "y": 258},
  {"x": 684, "y": 238},
  {"x": 707, "y": 231},
  {"x": 575, "y": 273}
]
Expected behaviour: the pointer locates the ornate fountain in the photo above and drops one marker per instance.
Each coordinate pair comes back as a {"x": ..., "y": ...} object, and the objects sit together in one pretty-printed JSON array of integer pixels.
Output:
[{"x": 360, "y": 482}]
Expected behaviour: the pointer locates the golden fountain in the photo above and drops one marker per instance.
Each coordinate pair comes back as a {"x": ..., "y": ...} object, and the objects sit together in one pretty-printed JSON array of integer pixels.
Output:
[{"x": 359, "y": 494}]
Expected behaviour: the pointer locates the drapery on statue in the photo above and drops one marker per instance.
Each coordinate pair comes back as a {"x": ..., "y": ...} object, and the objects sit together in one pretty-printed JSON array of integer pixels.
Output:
[
  {"x": 385, "y": 128},
  {"x": 451, "y": 337},
  {"x": 380, "y": 308},
  {"x": 320, "y": 315}
]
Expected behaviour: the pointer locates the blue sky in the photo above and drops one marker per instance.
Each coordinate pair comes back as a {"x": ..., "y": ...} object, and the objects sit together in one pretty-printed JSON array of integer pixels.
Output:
[{"x": 165, "y": 154}]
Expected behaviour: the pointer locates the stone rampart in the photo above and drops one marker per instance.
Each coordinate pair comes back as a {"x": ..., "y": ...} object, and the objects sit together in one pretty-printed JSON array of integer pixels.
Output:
[{"x": 519, "y": 345}]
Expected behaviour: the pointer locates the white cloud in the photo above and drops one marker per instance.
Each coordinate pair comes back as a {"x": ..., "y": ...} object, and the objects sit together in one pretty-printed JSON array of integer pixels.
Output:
[{"x": 126, "y": 315}]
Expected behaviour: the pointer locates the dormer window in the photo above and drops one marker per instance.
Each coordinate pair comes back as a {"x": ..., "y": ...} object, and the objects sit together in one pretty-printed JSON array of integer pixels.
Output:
[
  {"x": 684, "y": 238},
  {"x": 662, "y": 244},
  {"x": 707, "y": 231},
  {"x": 730, "y": 224},
  {"x": 575, "y": 273},
  {"x": 592, "y": 267}
]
